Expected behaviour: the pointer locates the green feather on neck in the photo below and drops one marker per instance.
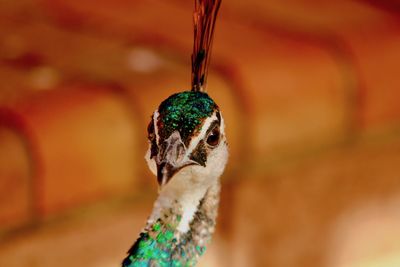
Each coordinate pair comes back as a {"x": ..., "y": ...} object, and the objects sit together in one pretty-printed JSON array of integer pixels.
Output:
[{"x": 162, "y": 245}]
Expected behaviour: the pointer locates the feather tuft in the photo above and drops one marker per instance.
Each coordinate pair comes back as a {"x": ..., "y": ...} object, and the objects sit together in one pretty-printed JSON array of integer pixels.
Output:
[{"x": 204, "y": 17}]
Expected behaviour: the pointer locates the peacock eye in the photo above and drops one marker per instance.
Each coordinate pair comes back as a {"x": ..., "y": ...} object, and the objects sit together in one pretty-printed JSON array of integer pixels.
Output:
[
  {"x": 151, "y": 135},
  {"x": 213, "y": 137},
  {"x": 150, "y": 132}
]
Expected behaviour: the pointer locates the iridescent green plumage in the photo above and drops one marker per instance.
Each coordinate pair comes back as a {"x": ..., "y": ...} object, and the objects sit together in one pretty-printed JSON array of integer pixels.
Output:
[
  {"x": 184, "y": 112},
  {"x": 160, "y": 245}
]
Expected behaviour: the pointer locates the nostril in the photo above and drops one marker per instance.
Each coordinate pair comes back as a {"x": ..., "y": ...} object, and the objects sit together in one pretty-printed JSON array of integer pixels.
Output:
[{"x": 179, "y": 152}]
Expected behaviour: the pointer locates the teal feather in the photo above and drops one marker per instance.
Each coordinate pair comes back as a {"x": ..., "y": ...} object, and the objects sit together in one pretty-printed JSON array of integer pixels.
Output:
[
  {"x": 159, "y": 247},
  {"x": 184, "y": 112}
]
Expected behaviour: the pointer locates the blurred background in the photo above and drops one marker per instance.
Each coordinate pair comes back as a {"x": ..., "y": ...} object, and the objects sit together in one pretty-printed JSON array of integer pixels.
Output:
[{"x": 310, "y": 94}]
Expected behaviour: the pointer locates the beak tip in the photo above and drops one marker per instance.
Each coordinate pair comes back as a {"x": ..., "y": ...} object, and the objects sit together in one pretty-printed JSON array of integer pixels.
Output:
[
  {"x": 164, "y": 174},
  {"x": 165, "y": 171}
]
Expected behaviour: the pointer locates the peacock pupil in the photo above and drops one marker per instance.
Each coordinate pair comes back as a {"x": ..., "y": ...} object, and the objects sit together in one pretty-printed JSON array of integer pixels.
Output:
[{"x": 213, "y": 138}]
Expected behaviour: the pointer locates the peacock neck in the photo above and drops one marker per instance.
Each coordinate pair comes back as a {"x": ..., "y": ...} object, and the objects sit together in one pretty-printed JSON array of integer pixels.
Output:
[
  {"x": 191, "y": 216},
  {"x": 176, "y": 233}
]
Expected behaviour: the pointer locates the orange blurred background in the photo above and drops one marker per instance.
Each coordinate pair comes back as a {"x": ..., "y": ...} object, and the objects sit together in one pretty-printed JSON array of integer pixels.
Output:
[{"x": 309, "y": 91}]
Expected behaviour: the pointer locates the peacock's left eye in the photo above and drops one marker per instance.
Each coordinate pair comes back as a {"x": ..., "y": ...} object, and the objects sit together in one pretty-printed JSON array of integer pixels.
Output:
[
  {"x": 150, "y": 131},
  {"x": 151, "y": 135},
  {"x": 213, "y": 137}
]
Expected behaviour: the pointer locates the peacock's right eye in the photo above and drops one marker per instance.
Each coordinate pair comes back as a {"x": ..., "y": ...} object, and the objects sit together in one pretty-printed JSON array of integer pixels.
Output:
[{"x": 213, "y": 137}]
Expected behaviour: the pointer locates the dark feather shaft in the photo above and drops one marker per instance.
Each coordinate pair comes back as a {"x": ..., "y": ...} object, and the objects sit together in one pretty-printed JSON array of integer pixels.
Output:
[{"x": 204, "y": 17}]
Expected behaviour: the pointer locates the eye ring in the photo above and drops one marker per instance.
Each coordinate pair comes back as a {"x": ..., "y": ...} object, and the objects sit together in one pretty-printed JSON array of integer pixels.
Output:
[{"x": 214, "y": 137}]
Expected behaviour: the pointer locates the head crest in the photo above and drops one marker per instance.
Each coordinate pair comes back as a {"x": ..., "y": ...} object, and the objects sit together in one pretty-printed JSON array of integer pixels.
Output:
[
  {"x": 183, "y": 112},
  {"x": 204, "y": 17}
]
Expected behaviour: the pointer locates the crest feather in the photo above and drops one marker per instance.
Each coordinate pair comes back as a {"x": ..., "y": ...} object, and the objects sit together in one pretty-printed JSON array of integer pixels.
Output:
[{"x": 204, "y": 17}]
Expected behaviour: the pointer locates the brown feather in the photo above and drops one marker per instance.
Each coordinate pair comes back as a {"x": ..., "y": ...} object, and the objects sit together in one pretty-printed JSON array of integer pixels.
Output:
[{"x": 204, "y": 17}]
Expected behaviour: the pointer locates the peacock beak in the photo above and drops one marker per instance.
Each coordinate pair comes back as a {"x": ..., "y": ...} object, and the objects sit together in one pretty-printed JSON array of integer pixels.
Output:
[
  {"x": 171, "y": 159},
  {"x": 165, "y": 172}
]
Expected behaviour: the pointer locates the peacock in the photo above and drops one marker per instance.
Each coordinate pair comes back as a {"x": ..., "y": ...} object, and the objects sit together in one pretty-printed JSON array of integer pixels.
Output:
[{"x": 187, "y": 152}]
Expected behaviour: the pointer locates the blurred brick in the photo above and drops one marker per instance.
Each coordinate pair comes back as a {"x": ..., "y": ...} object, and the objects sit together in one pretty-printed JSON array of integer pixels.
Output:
[
  {"x": 86, "y": 146},
  {"x": 100, "y": 238},
  {"x": 351, "y": 64},
  {"x": 367, "y": 234},
  {"x": 295, "y": 90},
  {"x": 285, "y": 215},
  {"x": 15, "y": 179},
  {"x": 318, "y": 17},
  {"x": 377, "y": 58},
  {"x": 366, "y": 36}
]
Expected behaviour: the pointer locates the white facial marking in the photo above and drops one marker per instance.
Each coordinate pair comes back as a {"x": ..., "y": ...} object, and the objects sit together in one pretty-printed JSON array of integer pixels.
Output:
[
  {"x": 222, "y": 126},
  {"x": 155, "y": 117},
  {"x": 195, "y": 141}
]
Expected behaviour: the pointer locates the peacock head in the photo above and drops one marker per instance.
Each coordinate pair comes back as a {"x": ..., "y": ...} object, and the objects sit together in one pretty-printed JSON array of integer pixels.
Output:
[{"x": 187, "y": 142}]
